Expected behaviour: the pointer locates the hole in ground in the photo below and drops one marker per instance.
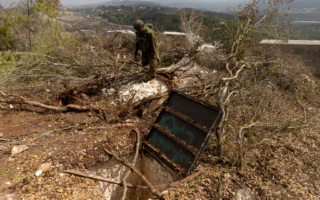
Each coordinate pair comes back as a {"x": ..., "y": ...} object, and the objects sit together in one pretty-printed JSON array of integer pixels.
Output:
[{"x": 148, "y": 166}]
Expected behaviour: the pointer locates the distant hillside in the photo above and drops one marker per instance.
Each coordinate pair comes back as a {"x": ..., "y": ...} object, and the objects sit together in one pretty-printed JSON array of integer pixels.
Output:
[
  {"x": 222, "y": 4},
  {"x": 313, "y": 15},
  {"x": 131, "y": 3},
  {"x": 162, "y": 17},
  {"x": 304, "y": 4},
  {"x": 305, "y": 31},
  {"x": 206, "y": 5},
  {"x": 303, "y": 27}
]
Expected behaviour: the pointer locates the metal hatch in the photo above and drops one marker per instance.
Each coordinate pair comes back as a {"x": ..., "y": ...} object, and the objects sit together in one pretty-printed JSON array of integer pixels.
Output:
[{"x": 182, "y": 131}]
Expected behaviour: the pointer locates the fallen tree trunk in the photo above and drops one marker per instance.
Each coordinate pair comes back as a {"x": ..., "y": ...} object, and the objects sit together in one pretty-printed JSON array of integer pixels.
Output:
[{"x": 70, "y": 107}]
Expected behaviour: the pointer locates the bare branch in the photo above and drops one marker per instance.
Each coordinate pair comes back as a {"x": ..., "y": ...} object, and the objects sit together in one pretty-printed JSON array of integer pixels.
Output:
[
  {"x": 109, "y": 180},
  {"x": 235, "y": 76},
  {"x": 304, "y": 108},
  {"x": 70, "y": 107},
  {"x": 233, "y": 92}
]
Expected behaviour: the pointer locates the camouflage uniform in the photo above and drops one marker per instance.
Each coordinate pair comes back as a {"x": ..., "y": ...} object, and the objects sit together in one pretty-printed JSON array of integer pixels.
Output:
[{"x": 146, "y": 42}]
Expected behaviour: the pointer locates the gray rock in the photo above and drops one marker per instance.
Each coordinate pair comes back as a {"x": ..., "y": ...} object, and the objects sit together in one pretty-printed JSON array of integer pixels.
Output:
[
  {"x": 244, "y": 194},
  {"x": 7, "y": 197},
  {"x": 43, "y": 168},
  {"x": 18, "y": 149}
]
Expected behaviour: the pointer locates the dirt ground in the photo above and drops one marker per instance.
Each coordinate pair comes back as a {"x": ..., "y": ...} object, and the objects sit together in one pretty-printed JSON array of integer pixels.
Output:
[
  {"x": 77, "y": 147},
  {"x": 287, "y": 167}
]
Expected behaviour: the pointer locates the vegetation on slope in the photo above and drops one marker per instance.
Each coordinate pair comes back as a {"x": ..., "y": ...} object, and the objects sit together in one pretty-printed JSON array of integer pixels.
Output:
[
  {"x": 269, "y": 104},
  {"x": 306, "y": 31},
  {"x": 306, "y": 26}
]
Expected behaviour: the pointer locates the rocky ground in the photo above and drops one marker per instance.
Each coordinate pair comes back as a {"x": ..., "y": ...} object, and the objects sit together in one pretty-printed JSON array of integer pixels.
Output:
[{"x": 285, "y": 167}]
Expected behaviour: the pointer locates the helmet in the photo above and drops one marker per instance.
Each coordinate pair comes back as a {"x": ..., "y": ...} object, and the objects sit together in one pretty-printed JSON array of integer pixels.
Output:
[{"x": 138, "y": 24}]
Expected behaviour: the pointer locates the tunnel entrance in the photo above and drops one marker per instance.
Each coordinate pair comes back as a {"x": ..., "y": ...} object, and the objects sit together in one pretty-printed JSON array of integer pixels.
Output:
[{"x": 156, "y": 173}]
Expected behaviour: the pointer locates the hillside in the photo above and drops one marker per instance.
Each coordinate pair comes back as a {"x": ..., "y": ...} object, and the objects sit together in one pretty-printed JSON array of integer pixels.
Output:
[
  {"x": 77, "y": 111},
  {"x": 306, "y": 14},
  {"x": 164, "y": 19},
  {"x": 305, "y": 31},
  {"x": 76, "y": 140},
  {"x": 167, "y": 19},
  {"x": 305, "y": 25},
  {"x": 299, "y": 4},
  {"x": 130, "y": 3},
  {"x": 229, "y": 6}
]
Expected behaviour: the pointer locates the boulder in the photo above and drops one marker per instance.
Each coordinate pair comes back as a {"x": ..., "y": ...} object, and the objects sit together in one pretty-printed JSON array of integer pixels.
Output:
[{"x": 142, "y": 90}]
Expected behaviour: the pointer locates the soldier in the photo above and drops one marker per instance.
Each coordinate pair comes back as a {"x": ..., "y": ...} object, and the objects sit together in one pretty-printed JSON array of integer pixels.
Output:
[{"x": 146, "y": 42}]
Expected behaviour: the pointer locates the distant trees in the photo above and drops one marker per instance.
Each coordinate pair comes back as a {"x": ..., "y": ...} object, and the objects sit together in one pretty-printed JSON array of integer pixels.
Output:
[
  {"x": 306, "y": 32},
  {"x": 113, "y": 19},
  {"x": 29, "y": 16},
  {"x": 166, "y": 18}
]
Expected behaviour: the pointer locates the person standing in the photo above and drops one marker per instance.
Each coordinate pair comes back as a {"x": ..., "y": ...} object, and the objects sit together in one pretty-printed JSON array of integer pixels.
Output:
[{"x": 146, "y": 42}]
